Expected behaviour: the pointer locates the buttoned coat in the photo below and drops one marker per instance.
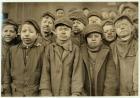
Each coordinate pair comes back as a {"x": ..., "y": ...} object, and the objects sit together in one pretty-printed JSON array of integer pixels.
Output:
[
  {"x": 23, "y": 70},
  {"x": 61, "y": 75}
]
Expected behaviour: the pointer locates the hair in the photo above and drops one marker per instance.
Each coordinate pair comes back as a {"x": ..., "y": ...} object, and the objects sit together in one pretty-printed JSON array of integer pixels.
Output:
[{"x": 11, "y": 22}]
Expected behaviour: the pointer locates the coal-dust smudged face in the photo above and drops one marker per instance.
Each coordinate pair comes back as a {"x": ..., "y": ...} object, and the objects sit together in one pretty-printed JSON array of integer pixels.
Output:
[
  {"x": 28, "y": 34},
  {"x": 47, "y": 25},
  {"x": 109, "y": 32},
  {"x": 63, "y": 32},
  {"x": 78, "y": 27},
  {"x": 94, "y": 20},
  {"x": 8, "y": 33},
  {"x": 94, "y": 39},
  {"x": 124, "y": 29}
]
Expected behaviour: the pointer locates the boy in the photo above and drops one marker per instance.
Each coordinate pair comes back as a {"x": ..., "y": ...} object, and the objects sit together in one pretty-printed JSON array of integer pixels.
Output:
[
  {"x": 94, "y": 18},
  {"x": 62, "y": 71},
  {"x": 60, "y": 12},
  {"x": 79, "y": 23},
  {"x": 108, "y": 31},
  {"x": 9, "y": 38},
  {"x": 24, "y": 63},
  {"x": 97, "y": 58},
  {"x": 47, "y": 28},
  {"x": 124, "y": 51}
]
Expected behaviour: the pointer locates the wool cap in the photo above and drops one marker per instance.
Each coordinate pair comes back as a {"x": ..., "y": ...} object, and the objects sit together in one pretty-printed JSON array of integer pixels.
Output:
[
  {"x": 127, "y": 5},
  {"x": 94, "y": 13},
  {"x": 108, "y": 21},
  {"x": 33, "y": 23},
  {"x": 79, "y": 15},
  {"x": 123, "y": 17},
  {"x": 11, "y": 22},
  {"x": 47, "y": 13},
  {"x": 64, "y": 21},
  {"x": 92, "y": 28}
]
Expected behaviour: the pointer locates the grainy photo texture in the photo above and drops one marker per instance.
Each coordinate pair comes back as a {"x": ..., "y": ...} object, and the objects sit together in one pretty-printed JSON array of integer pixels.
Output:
[{"x": 69, "y": 49}]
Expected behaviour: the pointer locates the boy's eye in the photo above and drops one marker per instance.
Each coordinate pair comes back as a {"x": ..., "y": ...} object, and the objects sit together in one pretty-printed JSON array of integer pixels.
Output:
[
  {"x": 5, "y": 30},
  {"x": 23, "y": 30},
  {"x": 11, "y": 31}
]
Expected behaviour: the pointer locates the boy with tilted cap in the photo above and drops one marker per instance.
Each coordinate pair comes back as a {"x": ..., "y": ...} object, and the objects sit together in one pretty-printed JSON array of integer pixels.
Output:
[
  {"x": 47, "y": 28},
  {"x": 109, "y": 34},
  {"x": 9, "y": 39},
  {"x": 124, "y": 50},
  {"x": 24, "y": 63},
  {"x": 79, "y": 23},
  {"x": 62, "y": 69},
  {"x": 94, "y": 18},
  {"x": 60, "y": 12},
  {"x": 97, "y": 59},
  {"x": 128, "y": 9}
]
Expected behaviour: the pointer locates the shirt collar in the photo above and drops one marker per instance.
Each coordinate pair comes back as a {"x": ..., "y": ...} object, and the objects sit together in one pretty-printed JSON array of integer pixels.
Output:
[{"x": 66, "y": 46}]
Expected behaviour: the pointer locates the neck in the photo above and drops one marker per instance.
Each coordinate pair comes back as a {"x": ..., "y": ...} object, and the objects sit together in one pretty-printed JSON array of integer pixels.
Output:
[
  {"x": 125, "y": 39},
  {"x": 61, "y": 41},
  {"x": 28, "y": 45}
]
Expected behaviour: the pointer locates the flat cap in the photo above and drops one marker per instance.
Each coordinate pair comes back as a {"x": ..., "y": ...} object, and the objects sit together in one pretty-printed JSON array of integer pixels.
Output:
[
  {"x": 65, "y": 21},
  {"x": 47, "y": 13}
]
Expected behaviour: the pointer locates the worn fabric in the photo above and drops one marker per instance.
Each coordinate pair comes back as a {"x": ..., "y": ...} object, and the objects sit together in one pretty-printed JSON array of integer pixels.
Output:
[
  {"x": 62, "y": 71},
  {"x": 23, "y": 70},
  {"x": 103, "y": 61},
  {"x": 124, "y": 62}
]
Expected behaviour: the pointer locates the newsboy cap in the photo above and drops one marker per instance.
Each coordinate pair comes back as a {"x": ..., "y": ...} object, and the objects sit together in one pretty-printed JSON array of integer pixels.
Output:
[
  {"x": 11, "y": 22},
  {"x": 33, "y": 23},
  {"x": 128, "y": 5},
  {"x": 94, "y": 13},
  {"x": 123, "y": 16},
  {"x": 79, "y": 15},
  {"x": 47, "y": 13},
  {"x": 64, "y": 21},
  {"x": 108, "y": 21},
  {"x": 93, "y": 28}
]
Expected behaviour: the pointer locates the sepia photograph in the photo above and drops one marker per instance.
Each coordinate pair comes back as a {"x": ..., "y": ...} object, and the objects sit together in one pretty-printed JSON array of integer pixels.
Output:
[{"x": 69, "y": 49}]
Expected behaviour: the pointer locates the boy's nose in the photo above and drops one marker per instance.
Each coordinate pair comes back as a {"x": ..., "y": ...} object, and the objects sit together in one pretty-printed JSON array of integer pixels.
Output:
[{"x": 7, "y": 33}]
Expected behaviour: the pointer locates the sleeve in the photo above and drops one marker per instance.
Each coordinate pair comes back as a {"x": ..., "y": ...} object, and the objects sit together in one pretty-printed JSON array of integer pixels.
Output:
[
  {"x": 135, "y": 77},
  {"x": 111, "y": 80},
  {"x": 7, "y": 75},
  {"x": 77, "y": 75},
  {"x": 45, "y": 82}
]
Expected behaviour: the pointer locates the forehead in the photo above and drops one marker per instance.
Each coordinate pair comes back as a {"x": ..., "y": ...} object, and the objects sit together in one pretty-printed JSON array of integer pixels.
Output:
[
  {"x": 75, "y": 20},
  {"x": 108, "y": 26},
  {"x": 8, "y": 26},
  {"x": 28, "y": 26},
  {"x": 47, "y": 18}
]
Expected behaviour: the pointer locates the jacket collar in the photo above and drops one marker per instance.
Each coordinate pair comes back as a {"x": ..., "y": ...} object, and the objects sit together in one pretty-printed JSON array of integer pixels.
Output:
[
  {"x": 35, "y": 44},
  {"x": 66, "y": 46}
]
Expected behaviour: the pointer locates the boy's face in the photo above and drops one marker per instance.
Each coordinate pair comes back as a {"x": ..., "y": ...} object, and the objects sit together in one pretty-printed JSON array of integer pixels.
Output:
[
  {"x": 86, "y": 12},
  {"x": 28, "y": 34},
  {"x": 60, "y": 13},
  {"x": 78, "y": 26},
  {"x": 94, "y": 40},
  {"x": 8, "y": 33},
  {"x": 128, "y": 11},
  {"x": 105, "y": 14},
  {"x": 109, "y": 32},
  {"x": 94, "y": 20},
  {"x": 63, "y": 32},
  {"x": 123, "y": 28},
  {"x": 47, "y": 24}
]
